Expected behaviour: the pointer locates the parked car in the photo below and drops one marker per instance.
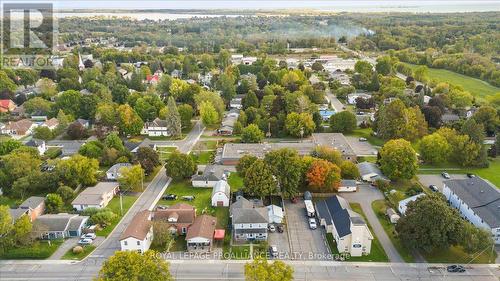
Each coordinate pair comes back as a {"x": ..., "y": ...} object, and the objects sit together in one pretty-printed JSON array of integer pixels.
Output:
[
  {"x": 471, "y": 175},
  {"x": 281, "y": 228},
  {"x": 312, "y": 223},
  {"x": 308, "y": 195},
  {"x": 445, "y": 175},
  {"x": 272, "y": 228},
  {"x": 188, "y": 198},
  {"x": 455, "y": 268},
  {"x": 433, "y": 188},
  {"x": 85, "y": 241},
  {"x": 169, "y": 197},
  {"x": 273, "y": 251},
  {"x": 88, "y": 236},
  {"x": 161, "y": 207},
  {"x": 294, "y": 200},
  {"x": 362, "y": 139}
]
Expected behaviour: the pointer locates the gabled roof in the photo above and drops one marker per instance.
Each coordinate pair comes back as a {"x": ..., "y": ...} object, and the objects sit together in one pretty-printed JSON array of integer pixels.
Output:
[
  {"x": 210, "y": 173},
  {"x": 51, "y": 122},
  {"x": 60, "y": 222},
  {"x": 222, "y": 186},
  {"x": 17, "y": 213},
  {"x": 32, "y": 202},
  {"x": 183, "y": 212},
  {"x": 132, "y": 146},
  {"x": 336, "y": 210},
  {"x": 21, "y": 125},
  {"x": 138, "y": 227},
  {"x": 366, "y": 168},
  {"x": 203, "y": 226},
  {"x": 348, "y": 183},
  {"x": 479, "y": 195},
  {"x": 34, "y": 143},
  {"x": 244, "y": 211},
  {"x": 116, "y": 167},
  {"x": 94, "y": 195}
]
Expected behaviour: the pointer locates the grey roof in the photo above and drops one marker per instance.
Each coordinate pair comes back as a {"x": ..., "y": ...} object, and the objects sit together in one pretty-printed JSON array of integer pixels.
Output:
[
  {"x": 335, "y": 140},
  {"x": 34, "y": 142},
  {"x": 60, "y": 222},
  {"x": 348, "y": 183},
  {"x": 210, "y": 173},
  {"x": 366, "y": 168},
  {"x": 17, "y": 213},
  {"x": 116, "y": 167},
  {"x": 244, "y": 211},
  {"x": 76, "y": 222},
  {"x": 94, "y": 195},
  {"x": 68, "y": 147},
  {"x": 238, "y": 150},
  {"x": 479, "y": 195},
  {"x": 336, "y": 210},
  {"x": 250, "y": 230},
  {"x": 32, "y": 202},
  {"x": 449, "y": 117},
  {"x": 222, "y": 186},
  {"x": 132, "y": 146},
  {"x": 323, "y": 213}
]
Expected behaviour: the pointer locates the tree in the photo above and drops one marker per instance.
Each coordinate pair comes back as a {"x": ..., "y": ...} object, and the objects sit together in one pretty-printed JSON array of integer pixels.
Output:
[
  {"x": 113, "y": 141},
  {"x": 343, "y": 122},
  {"x": 434, "y": 149},
  {"x": 8, "y": 146},
  {"x": 179, "y": 165},
  {"x": 398, "y": 160},
  {"x": 76, "y": 131},
  {"x": 186, "y": 112},
  {"x": 131, "y": 265},
  {"x": 69, "y": 101},
  {"x": 92, "y": 149},
  {"x": 317, "y": 66},
  {"x": 252, "y": 134},
  {"x": 474, "y": 130},
  {"x": 106, "y": 115},
  {"x": 43, "y": 133},
  {"x": 300, "y": 124},
  {"x": 67, "y": 193},
  {"x": 396, "y": 121},
  {"x": 475, "y": 239},
  {"x": 209, "y": 115},
  {"x": 53, "y": 203},
  {"x": 261, "y": 270},
  {"x": 250, "y": 100},
  {"x": 37, "y": 105},
  {"x": 6, "y": 84},
  {"x": 77, "y": 170},
  {"x": 162, "y": 237},
  {"x": 148, "y": 158},
  {"x": 103, "y": 217},
  {"x": 258, "y": 179},
  {"x": 287, "y": 167},
  {"x": 245, "y": 162},
  {"x": 349, "y": 170},
  {"x": 5, "y": 221},
  {"x": 384, "y": 65},
  {"x": 429, "y": 223},
  {"x": 323, "y": 176},
  {"x": 421, "y": 73},
  {"x": 327, "y": 153},
  {"x": 131, "y": 178},
  {"x": 488, "y": 117},
  {"x": 225, "y": 84},
  {"x": 120, "y": 94},
  {"x": 432, "y": 115},
  {"x": 21, "y": 231},
  {"x": 173, "y": 118},
  {"x": 129, "y": 121}
]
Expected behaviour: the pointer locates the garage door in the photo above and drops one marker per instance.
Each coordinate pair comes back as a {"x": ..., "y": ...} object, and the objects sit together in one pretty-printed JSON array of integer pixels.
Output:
[{"x": 220, "y": 203}]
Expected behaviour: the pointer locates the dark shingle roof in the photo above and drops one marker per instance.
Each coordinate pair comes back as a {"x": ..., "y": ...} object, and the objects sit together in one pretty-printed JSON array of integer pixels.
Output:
[
  {"x": 337, "y": 211},
  {"x": 32, "y": 202},
  {"x": 244, "y": 211},
  {"x": 480, "y": 196},
  {"x": 323, "y": 213}
]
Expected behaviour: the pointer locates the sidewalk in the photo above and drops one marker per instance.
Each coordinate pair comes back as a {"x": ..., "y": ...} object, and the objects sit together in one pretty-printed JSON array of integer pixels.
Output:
[{"x": 67, "y": 245}]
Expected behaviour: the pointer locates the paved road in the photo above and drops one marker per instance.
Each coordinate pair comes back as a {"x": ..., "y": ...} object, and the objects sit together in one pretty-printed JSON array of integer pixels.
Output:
[
  {"x": 365, "y": 195},
  {"x": 334, "y": 101},
  {"x": 188, "y": 142}
]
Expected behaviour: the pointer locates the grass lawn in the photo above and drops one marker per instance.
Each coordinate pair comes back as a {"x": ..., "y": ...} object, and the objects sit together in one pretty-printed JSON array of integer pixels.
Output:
[
  {"x": 203, "y": 157},
  {"x": 379, "y": 207},
  {"x": 455, "y": 254},
  {"x": 235, "y": 181},
  {"x": 39, "y": 250},
  {"x": 164, "y": 152},
  {"x": 179, "y": 244},
  {"x": 114, "y": 205},
  {"x": 184, "y": 188},
  {"x": 367, "y": 134},
  {"x": 206, "y": 145},
  {"x": 475, "y": 86},
  {"x": 151, "y": 176},
  {"x": 71, "y": 256}
]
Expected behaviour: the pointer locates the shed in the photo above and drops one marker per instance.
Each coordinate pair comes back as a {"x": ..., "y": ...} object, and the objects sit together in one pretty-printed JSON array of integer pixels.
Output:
[{"x": 221, "y": 194}]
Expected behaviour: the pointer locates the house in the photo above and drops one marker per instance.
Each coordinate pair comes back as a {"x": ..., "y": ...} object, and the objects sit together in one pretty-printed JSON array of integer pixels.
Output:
[
  {"x": 349, "y": 229},
  {"x": 7, "y": 106},
  {"x": 38, "y": 144},
  {"x": 351, "y": 98},
  {"x": 156, "y": 128},
  {"x": 392, "y": 215},
  {"x": 232, "y": 152},
  {"x": 249, "y": 220},
  {"x": 17, "y": 213},
  {"x": 97, "y": 196},
  {"x": 85, "y": 123},
  {"x": 58, "y": 226},
  {"x": 447, "y": 118},
  {"x": 52, "y": 123},
  {"x": 68, "y": 148},
  {"x": 236, "y": 58},
  {"x": 200, "y": 235},
  {"x": 370, "y": 172},
  {"x": 138, "y": 235},
  {"x": 236, "y": 103},
  {"x": 179, "y": 217},
  {"x": 403, "y": 204},
  {"x": 221, "y": 194},
  {"x": 211, "y": 175},
  {"x": 275, "y": 214},
  {"x": 326, "y": 114},
  {"x": 477, "y": 201},
  {"x": 35, "y": 205},
  {"x": 134, "y": 146},
  {"x": 113, "y": 173},
  {"x": 347, "y": 186},
  {"x": 248, "y": 60},
  {"x": 152, "y": 79},
  {"x": 19, "y": 128},
  {"x": 228, "y": 121},
  {"x": 337, "y": 141}
]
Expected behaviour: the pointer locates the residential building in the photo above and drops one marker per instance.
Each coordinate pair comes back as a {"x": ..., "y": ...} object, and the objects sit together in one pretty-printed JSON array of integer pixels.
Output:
[
  {"x": 113, "y": 173},
  {"x": 97, "y": 196},
  {"x": 348, "y": 186},
  {"x": 179, "y": 217},
  {"x": 403, "y": 204},
  {"x": 58, "y": 226},
  {"x": 249, "y": 219},
  {"x": 337, "y": 141},
  {"x": 477, "y": 201},
  {"x": 19, "y": 128},
  {"x": 138, "y": 235},
  {"x": 370, "y": 172},
  {"x": 392, "y": 215},
  {"x": 156, "y": 128},
  {"x": 85, "y": 123},
  {"x": 221, "y": 194},
  {"x": 35, "y": 205},
  {"x": 200, "y": 235},
  {"x": 134, "y": 146},
  {"x": 349, "y": 229},
  {"x": 7, "y": 106},
  {"x": 275, "y": 214},
  {"x": 351, "y": 98},
  {"x": 17, "y": 213},
  {"x": 52, "y": 123},
  {"x": 38, "y": 144},
  {"x": 228, "y": 121},
  {"x": 232, "y": 152},
  {"x": 236, "y": 103},
  {"x": 326, "y": 114},
  {"x": 211, "y": 175}
]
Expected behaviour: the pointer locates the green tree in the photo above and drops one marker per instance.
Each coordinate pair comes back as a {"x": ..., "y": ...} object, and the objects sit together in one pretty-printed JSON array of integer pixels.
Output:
[
  {"x": 384, "y": 65},
  {"x": 349, "y": 170},
  {"x": 131, "y": 178},
  {"x": 67, "y": 193},
  {"x": 434, "y": 148},
  {"x": 69, "y": 101},
  {"x": 162, "y": 237},
  {"x": 421, "y": 74},
  {"x": 261, "y": 270},
  {"x": 5, "y": 222},
  {"x": 129, "y": 121},
  {"x": 53, "y": 203},
  {"x": 475, "y": 239},
  {"x": 6, "y": 84},
  {"x": 209, "y": 115},
  {"x": 113, "y": 141},
  {"x": 343, "y": 122},
  {"x": 103, "y": 217},
  {"x": 8, "y": 146},
  {"x": 398, "y": 160},
  {"x": 173, "y": 118},
  {"x": 328, "y": 153},
  {"x": 252, "y": 134},
  {"x": 396, "y": 121},
  {"x": 250, "y": 100},
  {"x": 186, "y": 112},
  {"x": 244, "y": 163},
  {"x": 258, "y": 179},
  {"x": 77, "y": 170},
  {"x": 21, "y": 232},
  {"x": 43, "y": 133},
  {"x": 287, "y": 167},
  {"x": 106, "y": 115},
  {"x": 179, "y": 165},
  {"x": 488, "y": 117},
  {"x": 300, "y": 124},
  {"x": 92, "y": 149},
  {"x": 225, "y": 84},
  {"x": 148, "y": 158},
  {"x": 37, "y": 105},
  {"x": 120, "y": 94}
]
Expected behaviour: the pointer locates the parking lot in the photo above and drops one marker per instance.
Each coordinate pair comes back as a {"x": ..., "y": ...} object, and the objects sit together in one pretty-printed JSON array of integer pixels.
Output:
[
  {"x": 437, "y": 180},
  {"x": 305, "y": 243},
  {"x": 361, "y": 148},
  {"x": 281, "y": 242}
]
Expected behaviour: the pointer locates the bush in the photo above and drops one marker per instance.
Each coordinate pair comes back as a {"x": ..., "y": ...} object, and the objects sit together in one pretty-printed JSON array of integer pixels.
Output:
[{"x": 77, "y": 250}]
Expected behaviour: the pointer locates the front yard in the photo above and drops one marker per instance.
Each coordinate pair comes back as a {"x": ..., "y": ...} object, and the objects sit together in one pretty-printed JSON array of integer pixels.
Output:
[
  {"x": 38, "y": 250},
  {"x": 455, "y": 254},
  {"x": 72, "y": 256},
  {"x": 114, "y": 206}
]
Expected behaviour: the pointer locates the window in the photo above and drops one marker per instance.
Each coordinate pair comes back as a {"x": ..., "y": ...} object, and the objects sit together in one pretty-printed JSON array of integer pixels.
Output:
[
  {"x": 183, "y": 230},
  {"x": 125, "y": 243},
  {"x": 138, "y": 243}
]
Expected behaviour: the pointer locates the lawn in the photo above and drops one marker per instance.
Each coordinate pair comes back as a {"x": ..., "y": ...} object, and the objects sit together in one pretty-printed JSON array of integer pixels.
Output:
[
  {"x": 39, "y": 250},
  {"x": 367, "y": 134},
  {"x": 379, "y": 207},
  {"x": 475, "y": 86},
  {"x": 114, "y": 205},
  {"x": 235, "y": 181},
  {"x": 206, "y": 145},
  {"x": 455, "y": 254},
  {"x": 71, "y": 256},
  {"x": 203, "y": 157},
  {"x": 164, "y": 151},
  {"x": 184, "y": 188}
]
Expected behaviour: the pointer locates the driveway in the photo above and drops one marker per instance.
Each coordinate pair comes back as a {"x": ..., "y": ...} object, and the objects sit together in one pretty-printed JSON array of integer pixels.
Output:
[
  {"x": 281, "y": 242},
  {"x": 306, "y": 244},
  {"x": 365, "y": 195},
  {"x": 361, "y": 148},
  {"x": 437, "y": 180}
]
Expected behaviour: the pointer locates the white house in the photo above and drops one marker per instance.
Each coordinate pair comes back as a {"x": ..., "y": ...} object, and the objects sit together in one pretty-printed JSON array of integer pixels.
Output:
[
  {"x": 139, "y": 233},
  {"x": 477, "y": 201},
  {"x": 250, "y": 220},
  {"x": 113, "y": 173},
  {"x": 403, "y": 204},
  {"x": 348, "y": 186},
  {"x": 155, "y": 128},
  {"x": 236, "y": 103},
  {"x": 38, "y": 144},
  {"x": 97, "y": 196},
  {"x": 350, "y": 231},
  {"x": 200, "y": 235},
  {"x": 221, "y": 194},
  {"x": 211, "y": 175},
  {"x": 57, "y": 226},
  {"x": 276, "y": 214}
]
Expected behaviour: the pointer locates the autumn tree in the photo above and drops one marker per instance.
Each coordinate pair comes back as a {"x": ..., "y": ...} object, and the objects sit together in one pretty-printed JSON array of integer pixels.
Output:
[
  {"x": 434, "y": 149},
  {"x": 261, "y": 270},
  {"x": 131, "y": 178},
  {"x": 129, "y": 121},
  {"x": 349, "y": 170},
  {"x": 398, "y": 160},
  {"x": 323, "y": 176}
]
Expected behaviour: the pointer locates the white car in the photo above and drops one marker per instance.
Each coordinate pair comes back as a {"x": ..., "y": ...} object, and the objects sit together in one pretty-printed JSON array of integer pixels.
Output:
[
  {"x": 88, "y": 236},
  {"x": 272, "y": 228},
  {"x": 85, "y": 241},
  {"x": 273, "y": 250},
  {"x": 312, "y": 223}
]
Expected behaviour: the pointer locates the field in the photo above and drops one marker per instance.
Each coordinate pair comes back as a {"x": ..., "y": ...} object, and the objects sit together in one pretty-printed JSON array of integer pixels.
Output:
[
  {"x": 475, "y": 86},
  {"x": 114, "y": 205},
  {"x": 39, "y": 250},
  {"x": 367, "y": 134}
]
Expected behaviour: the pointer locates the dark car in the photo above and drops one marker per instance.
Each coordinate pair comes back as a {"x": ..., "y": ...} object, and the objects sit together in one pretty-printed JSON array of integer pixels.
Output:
[
  {"x": 471, "y": 176},
  {"x": 433, "y": 188},
  {"x": 281, "y": 228},
  {"x": 169, "y": 197},
  {"x": 455, "y": 268}
]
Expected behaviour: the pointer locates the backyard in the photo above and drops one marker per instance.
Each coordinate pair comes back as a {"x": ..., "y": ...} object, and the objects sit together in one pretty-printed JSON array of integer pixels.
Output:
[
  {"x": 235, "y": 181},
  {"x": 114, "y": 206}
]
